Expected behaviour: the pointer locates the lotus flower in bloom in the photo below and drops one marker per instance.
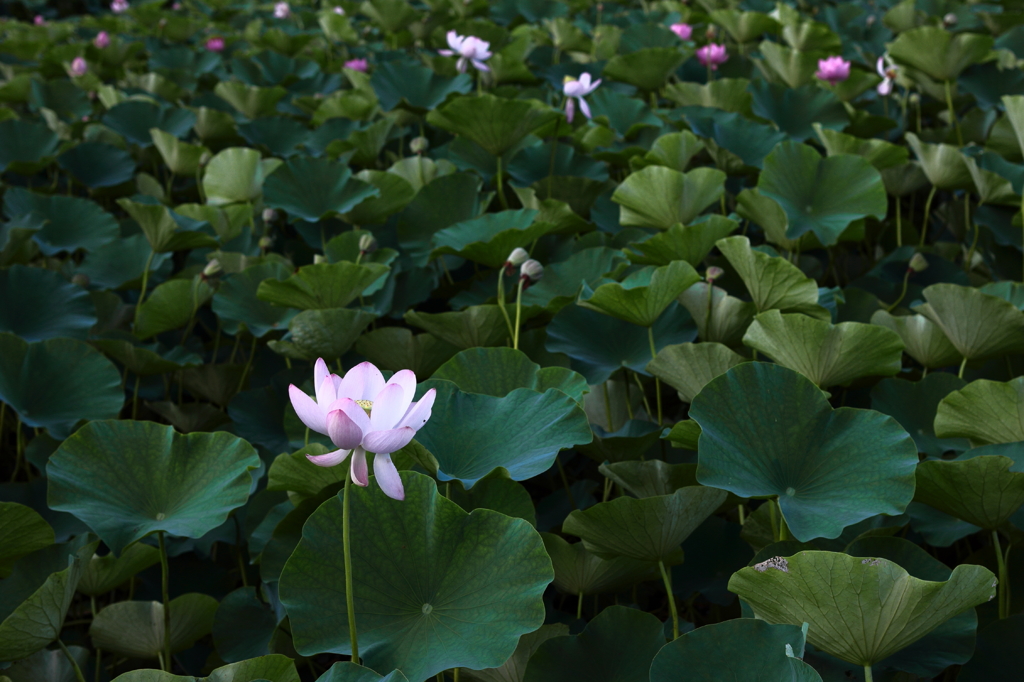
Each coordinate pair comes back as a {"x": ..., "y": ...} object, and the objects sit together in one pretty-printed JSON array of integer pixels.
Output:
[
  {"x": 357, "y": 65},
  {"x": 361, "y": 413},
  {"x": 119, "y": 6},
  {"x": 469, "y": 49},
  {"x": 39, "y": 21},
  {"x": 575, "y": 90},
  {"x": 215, "y": 44},
  {"x": 78, "y": 67},
  {"x": 101, "y": 40},
  {"x": 712, "y": 55},
  {"x": 833, "y": 70},
  {"x": 282, "y": 10},
  {"x": 340, "y": 11},
  {"x": 888, "y": 71},
  {"x": 684, "y": 31}
]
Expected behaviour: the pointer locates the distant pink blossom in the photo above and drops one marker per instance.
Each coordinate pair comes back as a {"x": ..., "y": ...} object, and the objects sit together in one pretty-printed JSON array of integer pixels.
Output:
[
  {"x": 101, "y": 40},
  {"x": 215, "y": 44},
  {"x": 176, "y": 6},
  {"x": 888, "y": 71},
  {"x": 340, "y": 11},
  {"x": 574, "y": 91},
  {"x": 469, "y": 49},
  {"x": 39, "y": 21},
  {"x": 833, "y": 70},
  {"x": 356, "y": 65},
  {"x": 684, "y": 31},
  {"x": 119, "y": 6},
  {"x": 712, "y": 55},
  {"x": 78, "y": 67},
  {"x": 282, "y": 10}
]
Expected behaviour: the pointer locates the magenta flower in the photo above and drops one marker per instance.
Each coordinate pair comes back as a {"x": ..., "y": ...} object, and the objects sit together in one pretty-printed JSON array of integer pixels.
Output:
[
  {"x": 119, "y": 6},
  {"x": 215, "y": 44},
  {"x": 833, "y": 70},
  {"x": 361, "y": 413},
  {"x": 684, "y": 31},
  {"x": 101, "y": 40},
  {"x": 282, "y": 10},
  {"x": 39, "y": 21},
  {"x": 470, "y": 50},
  {"x": 357, "y": 65},
  {"x": 888, "y": 71},
  {"x": 711, "y": 55},
  {"x": 575, "y": 90},
  {"x": 78, "y": 67}
]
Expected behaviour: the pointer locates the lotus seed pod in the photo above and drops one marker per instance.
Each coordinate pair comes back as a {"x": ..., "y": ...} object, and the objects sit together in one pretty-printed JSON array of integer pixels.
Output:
[{"x": 418, "y": 145}]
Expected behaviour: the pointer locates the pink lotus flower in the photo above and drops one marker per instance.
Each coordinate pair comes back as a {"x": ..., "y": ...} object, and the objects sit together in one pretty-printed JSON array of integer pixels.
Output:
[
  {"x": 101, "y": 40},
  {"x": 282, "y": 10},
  {"x": 575, "y": 90},
  {"x": 470, "y": 49},
  {"x": 684, "y": 31},
  {"x": 215, "y": 44},
  {"x": 39, "y": 21},
  {"x": 357, "y": 65},
  {"x": 888, "y": 71},
  {"x": 176, "y": 6},
  {"x": 833, "y": 70},
  {"x": 340, "y": 11},
  {"x": 119, "y": 6},
  {"x": 78, "y": 67},
  {"x": 361, "y": 413},
  {"x": 711, "y": 55}
]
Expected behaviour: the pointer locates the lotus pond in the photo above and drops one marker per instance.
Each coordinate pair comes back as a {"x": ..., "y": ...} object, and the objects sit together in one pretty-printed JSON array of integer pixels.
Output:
[{"x": 511, "y": 341}]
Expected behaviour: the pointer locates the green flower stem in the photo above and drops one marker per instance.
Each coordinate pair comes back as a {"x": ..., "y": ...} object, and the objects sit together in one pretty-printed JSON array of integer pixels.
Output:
[
  {"x": 71, "y": 659},
  {"x": 906, "y": 278},
  {"x": 347, "y": 544},
  {"x": 927, "y": 214},
  {"x": 868, "y": 677},
  {"x": 1002, "y": 600},
  {"x": 565, "y": 482},
  {"x": 501, "y": 187},
  {"x": 629, "y": 404},
  {"x": 774, "y": 521},
  {"x": 960, "y": 374},
  {"x": 501, "y": 300},
  {"x": 899, "y": 224},
  {"x": 248, "y": 365},
  {"x": 742, "y": 511},
  {"x": 952, "y": 114},
  {"x": 145, "y": 285},
  {"x": 671, "y": 599},
  {"x": 455, "y": 674},
  {"x": 608, "y": 406},
  {"x": 164, "y": 579},
  {"x": 647, "y": 405},
  {"x": 657, "y": 381},
  {"x": 519, "y": 313}
]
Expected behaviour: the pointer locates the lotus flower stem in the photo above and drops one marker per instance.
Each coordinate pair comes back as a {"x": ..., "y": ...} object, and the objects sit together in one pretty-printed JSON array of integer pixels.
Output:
[
  {"x": 657, "y": 381},
  {"x": 952, "y": 113},
  {"x": 501, "y": 300},
  {"x": 671, "y": 599},
  {"x": 501, "y": 187},
  {"x": 519, "y": 312},
  {"x": 608, "y": 406},
  {"x": 71, "y": 659},
  {"x": 960, "y": 374},
  {"x": 565, "y": 482},
  {"x": 643, "y": 394},
  {"x": 906, "y": 278},
  {"x": 927, "y": 215},
  {"x": 867, "y": 674},
  {"x": 899, "y": 224},
  {"x": 248, "y": 365},
  {"x": 164, "y": 577},
  {"x": 1003, "y": 593},
  {"x": 145, "y": 285},
  {"x": 346, "y": 541}
]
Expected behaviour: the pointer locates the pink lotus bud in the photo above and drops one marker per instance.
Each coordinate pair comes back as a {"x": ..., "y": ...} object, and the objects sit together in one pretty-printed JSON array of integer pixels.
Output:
[
  {"x": 339, "y": 11},
  {"x": 39, "y": 21},
  {"x": 215, "y": 44},
  {"x": 102, "y": 40},
  {"x": 683, "y": 31},
  {"x": 356, "y": 65},
  {"x": 833, "y": 70},
  {"x": 176, "y": 6},
  {"x": 282, "y": 10},
  {"x": 119, "y": 6},
  {"x": 712, "y": 55},
  {"x": 78, "y": 67},
  {"x": 713, "y": 273}
]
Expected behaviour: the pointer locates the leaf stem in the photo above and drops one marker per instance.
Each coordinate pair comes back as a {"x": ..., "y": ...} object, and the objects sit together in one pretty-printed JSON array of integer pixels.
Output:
[
  {"x": 906, "y": 279},
  {"x": 671, "y": 599},
  {"x": 19, "y": 449},
  {"x": 501, "y": 299},
  {"x": 346, "y": 541},
  {"x": 565, "y": 482},
  {"x": 1003, "y": 602},
  {"x": 868, "y": 677},
  {"x": 657, "y": 381},
  {"x": 71, "y": 659},
  {"x": 579, "y": 606},
  {"x": 899, "y": 224},
  {"x": 501, "y": 187},
  {"x": 927, "y": 215},
  {"x": 519, "y": 312},
  {"x": 960, "y": 374},
  {"x": 952, "y": 114},
  {"x": 164, "y": 579},
  {"x": 774, "y": 521},
  {"x": 145, "y": 285},
  {"x": 554, "y": 149},
  {"x": 608, "y": 406},
  {"x": 248, "y": 364}
]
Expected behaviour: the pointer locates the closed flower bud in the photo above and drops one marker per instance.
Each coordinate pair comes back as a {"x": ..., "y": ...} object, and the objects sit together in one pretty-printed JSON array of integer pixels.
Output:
[
  {"x": 269, "y": 215},
  {"x": 418, "y": 145},
  {"x": 518, "y": 256},
  {"x": 531, "y": 270},
  {"x": 918, "y": 263},
  {"x": 319, "y": 258},
  {"x": 949, "y": 20},
  {"x": 713, "y": 273},
  {"x": 212, "y": 268},
  {"x": 367, "y": 243}
]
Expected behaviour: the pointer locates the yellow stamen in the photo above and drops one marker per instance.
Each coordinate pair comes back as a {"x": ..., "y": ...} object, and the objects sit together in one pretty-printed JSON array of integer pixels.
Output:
[
  {"x": 367, "y": 405},
  {"x": 568, "y": 79}
]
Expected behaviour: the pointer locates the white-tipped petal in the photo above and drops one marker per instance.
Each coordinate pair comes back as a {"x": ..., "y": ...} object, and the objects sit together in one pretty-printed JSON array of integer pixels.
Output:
[
  {"x": 344, "y": 432},
  {"x": 330, "y": 459},
  {"x": 362, "y": 382},
  {"x": 389, "y": 407},
  {"x": 311, "y": 414},
  {"x": 387, "y": 477},
  {"x": 419, "y": 412},
  {"x": 360, "y": 474},
  {"x": 386, "y": 442}
]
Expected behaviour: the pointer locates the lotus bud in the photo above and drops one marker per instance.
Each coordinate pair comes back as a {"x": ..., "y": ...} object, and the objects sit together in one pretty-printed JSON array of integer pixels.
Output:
[
  {"x": 713, "y": 273},
  {"x": 518, "y": 256},
  {"x": 367, "y": 243},
  {"x": 102, "y": 40},
  {"x": 79, "y": 67},
  {"x": 266, "y": 243},
  {"x": 81, "y": 280},
  {"x": 949, "y": 20},
  {"x": 340, "y": 11},
  {"x": 319, "y": 258},
  {"x": 212, "y": 268},
  {"x": 915, "y": 99},
  {"x": 918, "y": 263},
  {"x": 531, "y": 271},
  {"x": 269, "y": 215},
  {"x": 418, "y": 145},
  {"x": 176, "y": 6}
]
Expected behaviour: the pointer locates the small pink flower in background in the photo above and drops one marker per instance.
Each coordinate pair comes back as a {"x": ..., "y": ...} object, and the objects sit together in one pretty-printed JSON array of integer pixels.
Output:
[
  {"x": 684, "y": 31},
  {"x": 469, "y": 49},
  {"x": 712, "y": 55},
  {"x": 888, "y": 71},
  {"x": 39, "y": 21},
  {"x": 357, "y": 65},
  {"x": 78, "y": 67},
  {"x": 215, "y": 44},
  {"x": 101, "y": 40},
  {"x": 282, "y": 10},
  {"x": 833, "y": 70},
  {"x": 339, "y": 11},
  {"x": 176, "y": 6},
  {"x": 575, "y": 90},
  {"x": 119, "y": 6}
]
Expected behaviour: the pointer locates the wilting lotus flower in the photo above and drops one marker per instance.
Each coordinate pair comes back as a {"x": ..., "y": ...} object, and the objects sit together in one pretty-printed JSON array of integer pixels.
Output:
[
  {"x": 78, "y": 67},
  {"x": 576, "y": 90},
  {"x": 711, "y": 55},
  {"x": 282, "y": 10},
  {"x": 215, "y": 44},
  {"x": 357, "y": 65},
  {"x": 684, "y": 31},
  {"x": 833, "y": 70},
  {"x": 361, "y": 413},
  {"x": 888, "y": 71},
  {"x": 119, "y": 6},
  {"x": 101, "y": 40},
  {"x": 469, "y": 49}
]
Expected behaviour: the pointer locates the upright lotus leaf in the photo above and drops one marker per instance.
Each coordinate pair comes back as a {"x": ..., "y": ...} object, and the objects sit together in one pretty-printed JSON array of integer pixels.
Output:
[
  {"x": 821, "y": 195},
  {"x": 984, "y": 486},
  {"x": 126, "y": 479},
  {"x": 489, "y": 238},
  {"x": 650, "y": 478},
  {"x": 769, "y": 431},
  {"x": 644, "y": 295},
  {"x": 226, "y": 221},
  {"x": 478, "y": 325},
  {"x": 914, "y": 404},
  {"x": 688, "y": 367},
  {"x": 134, "y": 119},
  {"x": 923, "y": 339},
  {"x": 161, "y": 229},
  {"x": 54, "y": 384},
  {"x": 739, "y": 649},
  {"x": 514, "y": 668},
  {"x": 720, "y": 318},
  {"x": 648, "y": 529},
  {"x": 647, "y": 69},
  {"x": 397, "y": 348},
  {"x": 630, "y": 441},
  {"x": 250, "y": 100},
  {"x": 861, "y": 610},
  {"x": 181, "y": 157},
  {"x": 772, "y": 282},
  {"x": 661, "y": 197},
  {"x": 878, "y": 153},
  {"x": 236, "y": 302},
  {"x": 496, "y": 492},
  {"x": 171, "y": 306},
  {"x": 941, "y": 55},
  {"x": 735, "y": 134},
  {"x": 744, "y": 27},
  {"x": 579, "y": 572},
  {"x": 419, "y": 86},
  {"x": 38, "y": 304},
  {"x": 438, "y": 587},
  {"x": 674, "y": 150},
  {"x": 617, "y": 646},
  {"x": 22, "y": 531},
  {"x": 311, "y": 188},
  {"x": 471, "y": 434},
  {"x": 691, "y": 243},
  {"x": 563, "y": 280},
  {"x": 499, "y": 371},
  {"x": 348, "y": 671},
  {"x": 68, "y": 223},
  {"x": 795, "y": 110},
  {"x": 26, "y": 145},
  {"x": 281, "y": 136},
  {"x": 1014, "y": 105},
  {"x": 135, "y": 629},
  {"x": 943, "y": 164},
  {"x": 327, "y": 333},
  {"x": 495, "y": 123},
  {"x": 827, "y": 354},
  {"x": 322, "y": 285},
  {"x": 984, "y": 411},
  {"x": 101, "y": 574},
  {"x": 273, "y": 668},
  {"x": 394, "y": 194},
  {"x": 293, "y": 473},
  {"x": 236, "y": 174},
  {"x": 795, "y": 67},
  {"x": 95, "y": 164},
  {"x": 979, "y": 325},
  {"x": 48, "y": 665}
]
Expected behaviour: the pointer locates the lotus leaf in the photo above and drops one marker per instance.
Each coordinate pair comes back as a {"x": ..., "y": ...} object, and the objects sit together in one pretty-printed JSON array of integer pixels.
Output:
[
  {"x": 661, "y": 197},
  {"x": 688, "y": 367},
  {"x": 321, "y": 286},
  {"x": 40, "y": 304}
]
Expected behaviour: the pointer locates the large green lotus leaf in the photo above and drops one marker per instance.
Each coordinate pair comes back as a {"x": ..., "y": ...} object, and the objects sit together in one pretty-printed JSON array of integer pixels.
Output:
[
  {"x": 827, "y": 354},
  {"x": 236, "y": 174},
  {"x": 54, "y": 384},
  {"x": 297, "y": 475},
  {"x": 95, "y": 164},
  {"x": 419, "y": 86},
  {"x": 146, "y": 360},
  {"x": 821, "y": 195},
  {"x": 691, "y": 243},
  {"x": 914, "y": 403},
  {"x": 984, "y": 486},
  {"x": 984, "y": 411},
  {"x": 40, "y": 304},
  {"x": 120, "y": 262},
  {"x": 181, "y": 157},
  {"x": 101, "y": 574},
  {"x": 491, "y": 237},
  {"x": 1014, "y": 105},
  {"x": 514, "y": 668},
  {"x": 878, "y": 153},
  {"x": 161, "y": 229},
  {"x": 68, "y": 223},
  {"x": 580, "y": 572},
  {"x": 661, "y": 197},
  {"x": 445, "y": 201},
  {"x": 280, "y": 135},
  {"x": 923, "y": 339},
  {"x": 226, "y": 221},
  {"x": 979, "y": 325},
  {"x": 626, "y": 115},
  {"x": 732, "y": 131},
  {"x": 22, "y": 531},
  {"x": 729, "y": 316},
  {"x": 727, "y": 94},
  {"x": 744, "y": 27},
  {"x": 326, "y": 334},
  {"x": 617, "y": 646},
  {"x": 478, "y": 325},
  {"x": 171, "y": 306},
  {"x": 311, "y": 188},
  {"x": 136, "y": 628},
  {"x": 495, "y": 123},
  {"x": 674, "y": 150},
  {"x": 26, "y": 144},
  {"x": 321, "y": 286},
  {"x": 496, "y": 492},
  {"x": 767, "y": 430},
  {"x": 397, "y": 348},
  {"x": 394, "y": 194},
  {"x": 648, "y": 529},
  {"x": 562, "y": 280},
  {"x": 995, "y": 658},
  {"x": 633, "y": 438},
  {"x": 943, "y": 164},
  {"x": 273, "y": 668},
  {"x": 286, "y": 532},
  {"x": 236, "y": 302},
  {"x": 436, "y": 587},
  {"x": 650, "y": 478},
  {"x": 499, "y": 371},
  {"x": 471, "y": 434},
  {"x": 739, "y": 649},
  {"x": 861, "y": 610},
  {"x": 350, "y": 672},
  {"x": 243, "y": 626},
  {"x": 794, "y": 67},
  {"x": 937, "y": 52},
  {"x": 643, "y": 296},
  {"x": 48, "y": 665},
  {"x": 688, "y": 367},
  {"x": 252, "y": 101},
  {"x": 647, "y": 69},
  {"x": 133, "y": 119},
  {"x": 772, "y": 282},
  {"x": 796, "y": 110},
  {"x": 126, "y": 479}
]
